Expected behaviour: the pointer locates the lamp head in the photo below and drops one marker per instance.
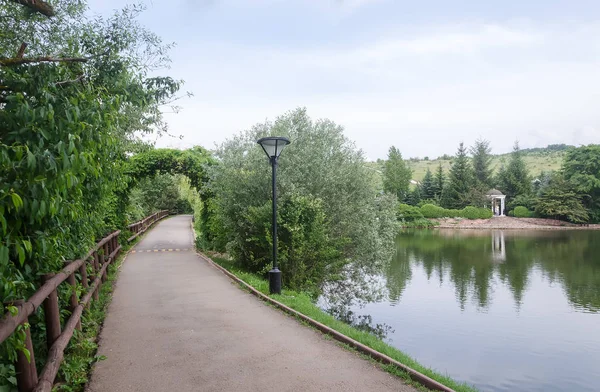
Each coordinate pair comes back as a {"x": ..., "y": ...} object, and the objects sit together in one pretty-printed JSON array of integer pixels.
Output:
[{"x": 273, "y": 145}]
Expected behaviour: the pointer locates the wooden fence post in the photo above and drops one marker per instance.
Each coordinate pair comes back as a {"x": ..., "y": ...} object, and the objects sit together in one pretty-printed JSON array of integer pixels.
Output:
[
  {"x": 83, "y": 273},
  {"x": 73, "y": 301},
  {"x": 104, "y": 260},
  {"x": 52, "y": 315},
  {"x": 27, "y": 377},
  {"x": 96, "y": 265}
]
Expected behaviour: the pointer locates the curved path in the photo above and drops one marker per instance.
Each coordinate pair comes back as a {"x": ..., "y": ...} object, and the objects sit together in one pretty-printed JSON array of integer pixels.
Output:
[{"x": 177, "y": 324}]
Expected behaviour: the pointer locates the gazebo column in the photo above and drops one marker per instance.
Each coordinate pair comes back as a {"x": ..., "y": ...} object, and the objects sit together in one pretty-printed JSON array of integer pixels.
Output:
[{"x": 502, "y": 206}]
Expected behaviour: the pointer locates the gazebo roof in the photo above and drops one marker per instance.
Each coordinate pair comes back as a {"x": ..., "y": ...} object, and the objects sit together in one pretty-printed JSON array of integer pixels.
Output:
[{"x": 494, "y": 192}]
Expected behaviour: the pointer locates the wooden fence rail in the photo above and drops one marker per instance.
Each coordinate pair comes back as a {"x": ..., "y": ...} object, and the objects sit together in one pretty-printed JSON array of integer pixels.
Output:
[
  {"x": 100, "y": 257},
  {"x": 139, "y": 227}
]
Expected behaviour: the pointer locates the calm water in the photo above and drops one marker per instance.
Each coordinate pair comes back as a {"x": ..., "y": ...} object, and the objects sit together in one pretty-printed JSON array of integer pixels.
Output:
[{"x": 501, "y": 310}]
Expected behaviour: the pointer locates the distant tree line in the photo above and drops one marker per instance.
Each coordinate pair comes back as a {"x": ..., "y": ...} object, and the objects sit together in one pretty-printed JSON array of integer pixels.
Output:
[{"x": 571, "y": 193}]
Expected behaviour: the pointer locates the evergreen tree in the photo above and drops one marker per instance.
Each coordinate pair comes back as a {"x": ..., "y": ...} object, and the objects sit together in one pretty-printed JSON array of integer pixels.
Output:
[
  {"x": 559, "y": 200},
  {"x": 514, "y": 180},
  {"x": 481, "y": 163},
  {"x": 438, "y": 183},
  {"x": 414, "y": 197},
  {"x": 460, "y": 181},
  {"x": 428, "y": 186},
  {"x": 396, "y": 175}
]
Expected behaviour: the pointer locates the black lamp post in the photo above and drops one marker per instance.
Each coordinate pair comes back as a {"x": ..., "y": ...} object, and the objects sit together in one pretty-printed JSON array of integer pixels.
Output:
[{"x": 273, "y": 146}]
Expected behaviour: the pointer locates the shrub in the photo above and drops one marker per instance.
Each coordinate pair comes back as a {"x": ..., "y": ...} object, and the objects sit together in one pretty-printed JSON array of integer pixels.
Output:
[
  {"x": 485, "y": 213},
  {"x": 522, "y": 212},
  {"x": 454, "y": 213},
  {"x": 409, "y": 213},
  {"x": 470, "y": 212},
  {"x": 433, "y": 211}
]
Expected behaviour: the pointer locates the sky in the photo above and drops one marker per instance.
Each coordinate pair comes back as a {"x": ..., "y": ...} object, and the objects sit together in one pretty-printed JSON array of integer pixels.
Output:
[{"x": 420, "y": 75}]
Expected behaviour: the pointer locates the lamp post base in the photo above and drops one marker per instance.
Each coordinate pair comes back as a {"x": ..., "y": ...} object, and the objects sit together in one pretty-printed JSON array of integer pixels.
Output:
[{"x": 275, "y": 281}]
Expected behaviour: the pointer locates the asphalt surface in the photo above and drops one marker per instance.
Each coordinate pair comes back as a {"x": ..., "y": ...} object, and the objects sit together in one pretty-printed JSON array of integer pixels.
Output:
[{"x": 178, "y": 324}]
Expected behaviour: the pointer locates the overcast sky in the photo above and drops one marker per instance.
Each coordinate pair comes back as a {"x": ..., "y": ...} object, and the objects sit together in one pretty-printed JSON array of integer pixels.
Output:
[{"x": 420, "y": 75}]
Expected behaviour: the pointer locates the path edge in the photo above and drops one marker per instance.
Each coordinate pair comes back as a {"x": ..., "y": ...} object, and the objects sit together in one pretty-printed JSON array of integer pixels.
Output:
[{"x": 380, "y": 357}]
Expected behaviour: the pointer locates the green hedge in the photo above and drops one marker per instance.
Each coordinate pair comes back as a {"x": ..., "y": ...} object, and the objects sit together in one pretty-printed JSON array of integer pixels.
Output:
[
  {"x": 432, "y": 211},
  {"x": 408, "y": 213},
  {"x": 522, "y": 212}
]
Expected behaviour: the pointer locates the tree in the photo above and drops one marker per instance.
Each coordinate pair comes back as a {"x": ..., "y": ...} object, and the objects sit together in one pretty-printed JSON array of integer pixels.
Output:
[
  {"x": 414, "y": 196},
  {"x": 482, "y": 159},
  {"x": 460, "y": 181},
  {"x": 396, "y": 175},
  {"x": 438, "y": 182},
  {"x": 581, "y": 169},
  {"x": 560, "y": 201},
  {"x": 514, "y": 180},
  {"x": 74, "y": 101},
  {"x": 330, "y": 212},
  {"x": 428, "y": 186}
]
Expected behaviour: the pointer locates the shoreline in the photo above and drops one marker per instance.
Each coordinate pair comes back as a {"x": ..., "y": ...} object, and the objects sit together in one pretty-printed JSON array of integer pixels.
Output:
[{"x": 510, "y": 223}]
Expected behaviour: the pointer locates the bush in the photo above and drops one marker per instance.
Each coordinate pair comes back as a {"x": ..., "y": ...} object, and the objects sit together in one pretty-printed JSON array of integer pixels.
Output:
[
  {"x": 485, "y": 213},
  {"x": 522, "y": 212},
  {"x": 454, "y": 213},
  {"x": 471, "y": 212},
  {"x": 408, "y": 213},
  {"x": 433, "y": 211}
]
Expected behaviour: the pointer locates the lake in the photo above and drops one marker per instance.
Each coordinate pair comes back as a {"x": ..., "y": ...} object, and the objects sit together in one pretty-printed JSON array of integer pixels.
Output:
[{"x": 501, "y": 310}]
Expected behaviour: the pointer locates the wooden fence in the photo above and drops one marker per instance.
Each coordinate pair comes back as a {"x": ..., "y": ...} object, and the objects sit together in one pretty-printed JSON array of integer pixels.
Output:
[
  {"x": 139, "y": 227},
  {"x": 57, "y": 337}
]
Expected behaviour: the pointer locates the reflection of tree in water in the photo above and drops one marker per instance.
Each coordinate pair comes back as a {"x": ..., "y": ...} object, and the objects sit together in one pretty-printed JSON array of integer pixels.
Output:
[
  {"x": 472, "y": 259},
  {"x": 359, "y": 285},
  {"x": 361, "y": 322}
]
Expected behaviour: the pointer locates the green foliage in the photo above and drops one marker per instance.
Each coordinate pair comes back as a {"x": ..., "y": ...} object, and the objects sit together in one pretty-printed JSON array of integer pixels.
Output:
[
  {"x": 482, "y": 159},
  {"x": 428, "y": 186},
  {"x": 433, "y": 211},
  {"x": 581, "y": 169},
  {"x": 522, "y": 212},
  {"x": 409, "y": 213},
  {"x": 439, "y": 182},
  {"x": 514, "y": 180},
  {"x": 396, "y": 175},
  {"x": 151, "y": 194},
  {"x": 470, "y": 212},
  {"x": 460, "y": 181},
  {"x": 323, "y": 176},
  {"x": 559, "y": 200},
  {"x": 65, "y": 131}
]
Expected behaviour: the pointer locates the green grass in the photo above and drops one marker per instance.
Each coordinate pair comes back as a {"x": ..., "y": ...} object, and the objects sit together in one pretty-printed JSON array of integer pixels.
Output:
[{"x": 302, "y": 303}]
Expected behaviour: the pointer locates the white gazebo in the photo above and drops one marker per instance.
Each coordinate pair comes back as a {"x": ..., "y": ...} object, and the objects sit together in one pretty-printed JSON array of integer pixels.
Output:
[{"x": 498, "y": 200}]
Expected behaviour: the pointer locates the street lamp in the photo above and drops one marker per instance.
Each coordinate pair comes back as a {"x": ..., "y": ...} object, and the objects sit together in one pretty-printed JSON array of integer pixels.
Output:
[{"x": 273, "y": 146}]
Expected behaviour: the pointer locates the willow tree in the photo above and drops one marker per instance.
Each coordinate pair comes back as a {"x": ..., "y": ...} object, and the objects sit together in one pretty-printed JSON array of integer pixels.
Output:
[{"x": 329, "y": 210}]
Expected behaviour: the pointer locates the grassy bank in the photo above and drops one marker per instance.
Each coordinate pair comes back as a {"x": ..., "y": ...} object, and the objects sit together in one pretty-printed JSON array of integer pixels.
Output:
[{"x": 302, "y": 303}]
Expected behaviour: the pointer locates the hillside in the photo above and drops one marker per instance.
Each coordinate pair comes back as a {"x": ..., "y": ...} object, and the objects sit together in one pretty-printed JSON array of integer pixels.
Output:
[{"x": 537, "y": 160}]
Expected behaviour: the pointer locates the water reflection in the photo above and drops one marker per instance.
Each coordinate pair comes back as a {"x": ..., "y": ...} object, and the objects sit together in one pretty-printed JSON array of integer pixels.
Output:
[
  {"x": 514, "y": 306},
  {"x": 471, "y": 259}
]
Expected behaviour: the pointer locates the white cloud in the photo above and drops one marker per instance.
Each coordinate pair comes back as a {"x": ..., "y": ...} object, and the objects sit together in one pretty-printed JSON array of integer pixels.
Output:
[{"x": 423, "y": 91}]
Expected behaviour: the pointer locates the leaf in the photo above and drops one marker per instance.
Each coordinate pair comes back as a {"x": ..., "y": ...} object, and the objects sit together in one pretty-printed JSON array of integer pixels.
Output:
[
  {"x": 21, "y": 253},
  {"x": 4, "y": 254},
  {"x": 30, "y": 160},
  {"x": 27, "y": 245},
  {"x": 17, "y": 201},
  {"x": 27, "y": 354}
]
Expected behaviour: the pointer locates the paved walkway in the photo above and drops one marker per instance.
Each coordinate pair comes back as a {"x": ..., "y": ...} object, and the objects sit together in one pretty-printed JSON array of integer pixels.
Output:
[{"x": 177, "y": 324}]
